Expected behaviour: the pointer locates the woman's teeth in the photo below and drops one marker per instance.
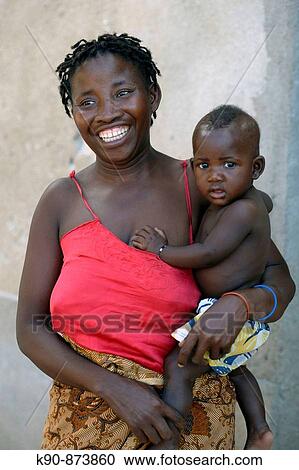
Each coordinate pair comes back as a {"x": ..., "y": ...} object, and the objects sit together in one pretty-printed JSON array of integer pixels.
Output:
[{"x": 110, "y": 135}]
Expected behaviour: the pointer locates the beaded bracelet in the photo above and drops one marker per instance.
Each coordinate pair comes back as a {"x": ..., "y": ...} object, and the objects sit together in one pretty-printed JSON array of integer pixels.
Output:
[
  {"x": 237, "y": 294},
  {"x": 161, "y": 249},
  {"x": 264, "y": 286}
]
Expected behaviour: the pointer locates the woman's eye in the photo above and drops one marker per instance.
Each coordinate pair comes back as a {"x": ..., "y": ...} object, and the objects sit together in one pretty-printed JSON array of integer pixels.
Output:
[
  {"x": 123, "y": 93},
  {"x": 87, "y": 103},
  {"x": 229, "y": 164},
  {"x": 203, "y": 165}
]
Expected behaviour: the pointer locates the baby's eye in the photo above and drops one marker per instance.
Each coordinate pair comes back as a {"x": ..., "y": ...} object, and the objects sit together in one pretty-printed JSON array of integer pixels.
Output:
[
  {"x": 229, "y": 164},
  {"x": 203, "y": 165}
]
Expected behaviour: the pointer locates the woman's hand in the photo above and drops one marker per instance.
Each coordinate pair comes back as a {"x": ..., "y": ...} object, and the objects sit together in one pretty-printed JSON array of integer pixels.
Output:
[
  {"x": 215, "y": 331},
  {"x": 170, "y": 444},
  {"x": 141, "y": 408},
  {"x": 149, "y": 239}
]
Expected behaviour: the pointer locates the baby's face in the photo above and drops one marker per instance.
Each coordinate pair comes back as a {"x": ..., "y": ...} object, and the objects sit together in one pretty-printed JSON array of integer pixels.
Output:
[{"x": 223, "y": 164}]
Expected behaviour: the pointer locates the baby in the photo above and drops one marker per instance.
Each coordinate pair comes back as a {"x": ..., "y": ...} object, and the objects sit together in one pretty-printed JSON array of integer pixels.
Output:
[{"x": 229, "y": 253}]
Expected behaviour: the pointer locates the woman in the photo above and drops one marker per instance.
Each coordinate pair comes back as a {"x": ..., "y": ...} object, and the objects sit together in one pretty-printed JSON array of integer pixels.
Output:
[{"x": 107, "y": 298}]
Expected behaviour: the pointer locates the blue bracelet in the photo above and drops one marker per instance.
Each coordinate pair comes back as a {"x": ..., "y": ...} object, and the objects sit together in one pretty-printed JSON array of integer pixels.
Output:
[{"x": 264, "y": 286}]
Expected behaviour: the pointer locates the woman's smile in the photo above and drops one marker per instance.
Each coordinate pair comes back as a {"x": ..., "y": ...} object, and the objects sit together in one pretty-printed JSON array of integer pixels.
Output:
[{"x": 114, "y": 134}]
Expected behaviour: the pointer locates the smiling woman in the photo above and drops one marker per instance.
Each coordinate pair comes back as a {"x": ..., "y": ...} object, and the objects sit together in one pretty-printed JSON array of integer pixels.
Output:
[
  {"x": 113, "y": 115},
  {"x": 102, "y": 293}
]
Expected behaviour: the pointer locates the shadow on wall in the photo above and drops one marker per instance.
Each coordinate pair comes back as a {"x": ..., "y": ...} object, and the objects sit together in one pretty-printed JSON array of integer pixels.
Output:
[{"x": 23, "y": 390}]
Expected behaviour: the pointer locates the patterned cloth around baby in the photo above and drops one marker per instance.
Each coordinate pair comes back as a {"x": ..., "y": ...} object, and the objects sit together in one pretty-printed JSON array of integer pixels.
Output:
[{"x": 251, "y": 337}]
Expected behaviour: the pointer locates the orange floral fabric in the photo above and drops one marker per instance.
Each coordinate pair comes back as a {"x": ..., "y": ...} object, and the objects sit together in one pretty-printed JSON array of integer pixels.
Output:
[{"x": 78, "y": 419}]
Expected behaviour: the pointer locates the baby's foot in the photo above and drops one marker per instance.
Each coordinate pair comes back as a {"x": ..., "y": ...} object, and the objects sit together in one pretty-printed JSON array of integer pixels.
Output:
[{"x": 260, "y": 440}]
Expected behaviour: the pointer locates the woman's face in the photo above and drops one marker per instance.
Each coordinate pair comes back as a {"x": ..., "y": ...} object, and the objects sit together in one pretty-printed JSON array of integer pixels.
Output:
[{"x": 112, "y": 108}]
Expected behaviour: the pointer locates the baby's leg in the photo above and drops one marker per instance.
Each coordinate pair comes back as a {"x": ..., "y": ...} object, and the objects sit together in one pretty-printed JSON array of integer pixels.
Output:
[
  {"x": 178, "y": 391},
  {"x": 250, "y": 400}
]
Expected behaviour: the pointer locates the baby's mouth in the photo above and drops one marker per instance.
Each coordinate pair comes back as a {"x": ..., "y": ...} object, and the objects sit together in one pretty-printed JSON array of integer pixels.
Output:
[
  {"x": 217, "y": 193},
  {"x": 113, "y": 134}
]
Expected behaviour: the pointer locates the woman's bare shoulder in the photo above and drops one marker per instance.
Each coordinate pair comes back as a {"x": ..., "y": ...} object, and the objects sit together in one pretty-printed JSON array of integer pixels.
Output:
[
  {"x": 56, "y": 196},
  {"x": 172, "y": 164},
  {"x": 62, "y": 185},
  {"x": 175, "y": 166},
  {"x": 173, "y": 161}
]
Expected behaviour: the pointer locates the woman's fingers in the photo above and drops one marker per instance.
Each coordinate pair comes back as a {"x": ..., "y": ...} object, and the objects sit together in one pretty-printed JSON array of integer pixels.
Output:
[
  {"x": 140, "y": 406},
  {"x": 174, "y": 416},
  {"x": 225, "y": 350},
  {"x": 199, "y": 352},
  {"x": 152, "y": 434},
  {"x": 141, "y": 436},
  {"x": 186, "y": 349},
  {"x": 215, "y": 352},
  {"x": 160, "y": 429},
  {"x": 164, "y": 430}
]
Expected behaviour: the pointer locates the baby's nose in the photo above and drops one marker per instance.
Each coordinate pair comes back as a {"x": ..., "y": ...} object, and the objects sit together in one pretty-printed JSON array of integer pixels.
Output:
[{"x": 215, "y": 175}]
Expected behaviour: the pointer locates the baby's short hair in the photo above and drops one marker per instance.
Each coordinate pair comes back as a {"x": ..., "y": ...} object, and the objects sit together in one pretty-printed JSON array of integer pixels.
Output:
[{"x": 224, "y": 115}]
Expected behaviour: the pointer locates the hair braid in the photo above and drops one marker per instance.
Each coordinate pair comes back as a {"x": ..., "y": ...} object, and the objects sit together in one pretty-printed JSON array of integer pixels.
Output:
[{"x": 126, "y": 46}]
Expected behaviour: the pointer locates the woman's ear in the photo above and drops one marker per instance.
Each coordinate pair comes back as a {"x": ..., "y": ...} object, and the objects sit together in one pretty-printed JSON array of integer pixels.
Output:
[
  {"x": 155, "y": 97},
  {"x": 258, "y": 166}
]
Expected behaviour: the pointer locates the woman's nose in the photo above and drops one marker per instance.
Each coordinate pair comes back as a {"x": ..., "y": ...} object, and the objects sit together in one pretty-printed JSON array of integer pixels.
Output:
[{"x": 107, "y": 111}]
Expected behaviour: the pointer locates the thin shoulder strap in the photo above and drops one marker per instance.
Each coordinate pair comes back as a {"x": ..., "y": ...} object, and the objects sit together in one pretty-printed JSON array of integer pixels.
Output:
[
  {"x": 73, "y": 177},
  {"x": 188, "y": 200}
]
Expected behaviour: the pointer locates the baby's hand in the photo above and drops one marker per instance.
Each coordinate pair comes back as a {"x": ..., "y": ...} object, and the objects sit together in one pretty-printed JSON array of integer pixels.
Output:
[{"x": 149, "y": 239}]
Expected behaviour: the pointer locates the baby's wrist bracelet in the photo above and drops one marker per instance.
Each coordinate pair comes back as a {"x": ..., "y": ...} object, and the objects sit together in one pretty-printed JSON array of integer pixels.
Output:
[
  {"x": 161, "y": 249},
  {"x": 272, "y": 291},
  {"x": 243, "y": 298}
]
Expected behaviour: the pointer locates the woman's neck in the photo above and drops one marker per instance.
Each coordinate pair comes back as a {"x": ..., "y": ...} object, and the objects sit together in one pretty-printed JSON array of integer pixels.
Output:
[{"x": 140, "y": 165}]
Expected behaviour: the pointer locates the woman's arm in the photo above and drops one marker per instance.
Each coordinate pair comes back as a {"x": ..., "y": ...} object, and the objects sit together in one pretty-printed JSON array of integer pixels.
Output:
[
  {"x": 277, "y": 276},
  {"x": 217, "y": 329},
  {"x": 135, "y": 403}
]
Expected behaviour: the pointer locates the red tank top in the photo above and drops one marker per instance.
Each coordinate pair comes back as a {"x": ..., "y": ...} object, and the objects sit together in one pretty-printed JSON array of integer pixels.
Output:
[{"x": 113, "y": 298}]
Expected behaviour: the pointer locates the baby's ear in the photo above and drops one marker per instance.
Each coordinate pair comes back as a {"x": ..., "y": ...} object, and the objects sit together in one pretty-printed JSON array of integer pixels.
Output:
[{"x": 258, "y": 166}]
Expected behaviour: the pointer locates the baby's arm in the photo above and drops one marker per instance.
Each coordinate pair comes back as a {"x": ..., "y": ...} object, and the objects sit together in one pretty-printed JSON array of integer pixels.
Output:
[
  {"x": 233, "y": 226},
  {"x": 267, "y": 200}
]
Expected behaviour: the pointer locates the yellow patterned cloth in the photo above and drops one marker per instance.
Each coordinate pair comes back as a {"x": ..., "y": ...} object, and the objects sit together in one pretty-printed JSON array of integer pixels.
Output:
[
  {"x": 78, "y": 419},
  {"x": 251, "y": 337}
]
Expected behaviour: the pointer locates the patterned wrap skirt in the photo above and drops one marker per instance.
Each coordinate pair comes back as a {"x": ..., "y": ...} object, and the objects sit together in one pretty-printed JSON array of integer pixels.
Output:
[{"x": 79, "y": 419}]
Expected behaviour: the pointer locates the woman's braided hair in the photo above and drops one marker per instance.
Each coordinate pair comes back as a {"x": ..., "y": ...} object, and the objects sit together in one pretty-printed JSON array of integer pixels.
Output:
[{"x": 123, "y": 45}]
